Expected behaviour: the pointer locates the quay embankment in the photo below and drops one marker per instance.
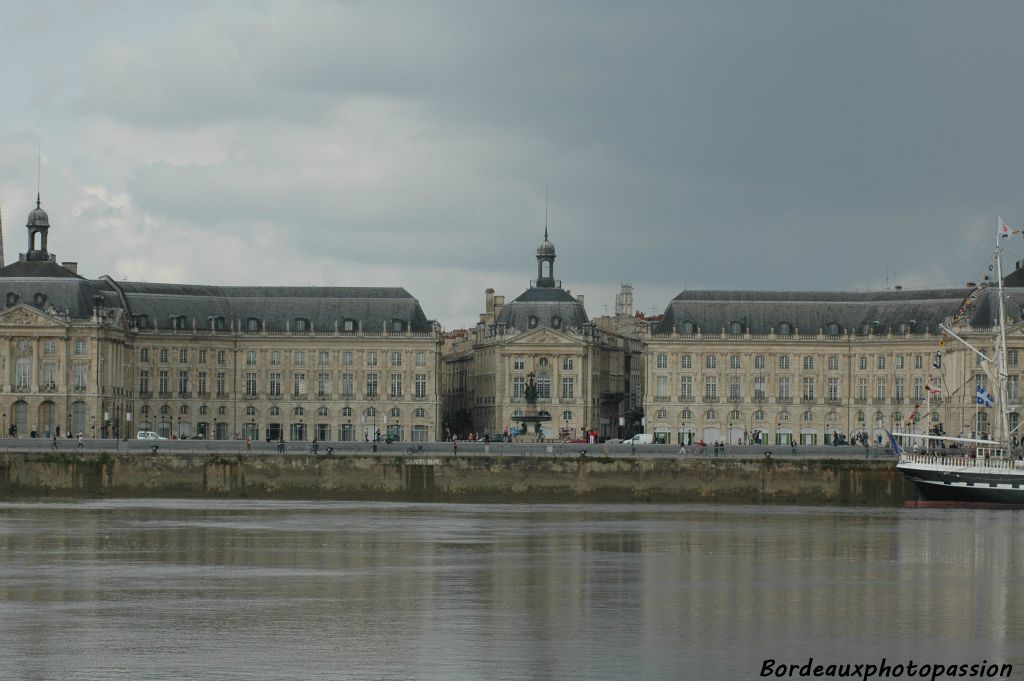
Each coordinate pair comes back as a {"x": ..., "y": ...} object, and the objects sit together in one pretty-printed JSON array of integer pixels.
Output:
[{"x": 472, "y": 473}]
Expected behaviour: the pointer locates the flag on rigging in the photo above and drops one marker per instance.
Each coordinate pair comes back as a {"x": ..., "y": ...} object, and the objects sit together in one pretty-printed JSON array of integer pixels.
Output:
[
  {"x": 1004, "y": 229},
  {"x": 983, "y": 397}
]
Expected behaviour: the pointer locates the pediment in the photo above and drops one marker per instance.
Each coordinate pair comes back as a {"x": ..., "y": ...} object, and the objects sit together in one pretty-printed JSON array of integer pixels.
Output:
[
  {"x": 545, "y": 336},
  {"x": 23, "y": 315}
]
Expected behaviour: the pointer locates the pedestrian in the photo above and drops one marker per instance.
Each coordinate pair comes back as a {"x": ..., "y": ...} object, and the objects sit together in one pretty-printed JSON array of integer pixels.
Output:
[
  {"x": 248, "y": 442},
  {"x": 81, "y": 440},
  {"x": 54, "y": 443},
  {"x": 455, "y": 445}
]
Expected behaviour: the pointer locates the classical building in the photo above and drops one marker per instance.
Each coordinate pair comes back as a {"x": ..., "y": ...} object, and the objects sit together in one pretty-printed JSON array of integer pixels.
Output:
[
  {"x": 107, "y": 357},
  {"x": 779, "y": 367},
  {"x": 583, "y": 376}
]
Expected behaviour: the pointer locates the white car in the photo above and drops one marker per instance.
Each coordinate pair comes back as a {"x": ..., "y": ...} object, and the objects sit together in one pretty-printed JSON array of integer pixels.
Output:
[{"x": 148, "y": 435}]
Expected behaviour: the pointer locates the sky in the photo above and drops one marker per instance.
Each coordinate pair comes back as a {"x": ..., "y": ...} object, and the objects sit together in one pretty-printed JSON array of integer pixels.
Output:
[{"x": 780, "y": 145}]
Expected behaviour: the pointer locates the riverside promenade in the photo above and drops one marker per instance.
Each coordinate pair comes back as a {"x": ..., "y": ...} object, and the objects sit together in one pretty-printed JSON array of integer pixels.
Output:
[{"x": 470, "y": 472}]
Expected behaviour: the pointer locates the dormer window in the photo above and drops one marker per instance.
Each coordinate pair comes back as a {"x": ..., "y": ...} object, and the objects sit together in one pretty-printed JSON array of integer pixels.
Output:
[
  {"x": 397, "y": 326},
  {"x": 785, "y": 329},
  {"x": 907, "y": 327},
  {"x": 252, "y": 324},
  {"x": 301, "y": 324},
  {"x": 12, "y": 299},
  {"x": 687, "y": 327},
  {"x": 348, "y": 325},
  {"x": 556, "y": 322},
  {"x": 832, "y": 329},
  {"x": 736, "y": 328},
  {"x": 179, "y": 322},
  {"x": 217, "y": 323},
  {"x": 141, "y": 321},
  {"x": 40, "y": 299},
  {"x": 532, "y": 322}
]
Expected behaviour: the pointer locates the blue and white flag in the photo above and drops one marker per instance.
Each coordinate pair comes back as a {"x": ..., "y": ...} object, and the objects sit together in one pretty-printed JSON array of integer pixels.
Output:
[
  {"x": 892, "y": 441},
  {"x": 983, "y": 397}
]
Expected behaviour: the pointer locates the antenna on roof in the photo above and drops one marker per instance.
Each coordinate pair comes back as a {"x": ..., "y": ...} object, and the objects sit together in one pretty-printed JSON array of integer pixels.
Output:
[
  {"x": 545, "y": 211},
  {"x": 39, "y": 168}
]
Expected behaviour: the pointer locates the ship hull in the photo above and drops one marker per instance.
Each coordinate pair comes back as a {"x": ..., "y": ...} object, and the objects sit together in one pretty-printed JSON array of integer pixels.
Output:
[{"x": 938, "y": 482}]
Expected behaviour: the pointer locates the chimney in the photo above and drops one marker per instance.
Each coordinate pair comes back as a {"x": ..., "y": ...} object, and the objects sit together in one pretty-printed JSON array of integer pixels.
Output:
[
  {"x": 579, "y": 298},
  {"x": 70, "y": 266},
  {"x": 489, "y": 301}
]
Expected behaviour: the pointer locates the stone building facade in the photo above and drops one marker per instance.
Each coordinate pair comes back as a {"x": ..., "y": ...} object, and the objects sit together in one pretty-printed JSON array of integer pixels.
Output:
[
  {"x": 543, "y": 338},
  {"x": 805, "y": 367},
  {"x": 107, "y": 357}
]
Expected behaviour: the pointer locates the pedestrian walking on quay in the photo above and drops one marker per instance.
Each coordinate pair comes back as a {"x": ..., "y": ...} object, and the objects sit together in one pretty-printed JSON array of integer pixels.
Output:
[{"x": 81, "y": 440}]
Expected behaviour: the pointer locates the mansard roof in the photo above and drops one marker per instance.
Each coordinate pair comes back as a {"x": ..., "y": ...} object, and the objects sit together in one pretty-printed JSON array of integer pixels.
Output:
[
  {"x": 552, "y": 307},
  {"x": 853, "y": 311},
  {"x": 43, "y": 283}
]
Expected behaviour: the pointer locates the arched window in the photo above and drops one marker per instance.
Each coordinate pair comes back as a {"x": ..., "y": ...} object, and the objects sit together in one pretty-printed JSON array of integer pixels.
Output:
[
  {"x": 735, "y": 415},
  {"x": 710, "y": 415},
  {"x": 759, "y": 415},
  {"x": 687, "y": 327},
  {"x": 832, "y": 416},
  {"x": 532, "y": 322},
  {"x": 395, "y": 412},
  {"x": 298, "y": 411},
  {"x": 567, "y": 416},
  {"x": 370, "y": 412},
  {"x": 145, "y": 410},
  {"x": 204, "y": 410},
  {"x": 785, "y": 328},
  {"x": 165, "y": 410},
  {"x": 250, "y": 410},
  {"x": 832, "y": 329},
  {"x": 322, "y": 411},
  {"x": 222, "y": 411},
  {"x": 184, "y": 410},
  {"x": 662, "y": 414},
  {"x": 860, "y": 417},
  {"x": 736, "y": 328},
  {"x": 420, "y": 413},
  {"x": 686, "y": 415},
  {"x": 556, "y": 322},
  {"x": 40, "y": 299},
  {"x": 783, "y": 415},
  {"x": 275, "y": 411},
  {"x": 346, "y": 411},
  {"x": 808, "y": 415}
]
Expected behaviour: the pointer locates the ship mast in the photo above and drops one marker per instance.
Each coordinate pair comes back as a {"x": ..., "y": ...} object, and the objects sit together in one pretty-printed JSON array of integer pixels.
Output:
[{"x": 1001, "y": 341}]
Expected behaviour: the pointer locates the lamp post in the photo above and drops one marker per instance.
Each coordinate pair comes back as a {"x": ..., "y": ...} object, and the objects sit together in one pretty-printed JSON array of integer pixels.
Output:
[
  {"x": 5, "y": 423},
  {"x": 179, "y": 427},
  {"x": 92, "y": 420}
]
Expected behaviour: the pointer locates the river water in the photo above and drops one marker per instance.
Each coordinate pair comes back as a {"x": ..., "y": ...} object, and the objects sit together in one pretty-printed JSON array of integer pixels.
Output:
[{"x": 200, "y": 589}]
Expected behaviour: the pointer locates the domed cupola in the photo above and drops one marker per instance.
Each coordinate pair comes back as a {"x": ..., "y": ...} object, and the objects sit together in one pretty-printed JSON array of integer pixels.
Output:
[
  {"x": 38, "y": 224},
  {"x": 546, "y": 255}
]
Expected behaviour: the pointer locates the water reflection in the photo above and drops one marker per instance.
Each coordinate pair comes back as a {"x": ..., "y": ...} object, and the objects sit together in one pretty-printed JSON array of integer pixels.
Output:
[{"x": 269, "y": 590}]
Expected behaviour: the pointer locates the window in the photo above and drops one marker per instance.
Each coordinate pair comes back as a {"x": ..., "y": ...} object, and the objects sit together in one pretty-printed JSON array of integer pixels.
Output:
[
  {"x": 710, "y": 387},
  {"x": 80, "y": 370},
  {"x": 568, "y": 388},
  {"x": 759, "y": 415},
  {"x": 79, "y": 347},
  {"x": 710, "y": 415},
  {"x": 221, "y": 361},
  {"x": 832, "y": 329},
  {"x": 275, "y": 411},
  {"x": 918, "y": 388},
  {"x": 532, "y": 322},
  {"x": 833, "y": 388},
  {"x": 395, "y": 413},
  {"x": 881, "y": 363},
  {"x": 686, "y": 387},
  {"x": 252, "y": 324},
  {"x": 298, "y": 411},
  {"x": 346, "y": 411},
  {"x": 567, "y": 416},
  {"x": 163, "y": 355},
  {"x": 879, "y": 388},
  {"x": 371, "y": 359},
  {"x": 421, "y": 385},
  {"x": 346, "y": 358},
  {"x": 371, "y": 385},
  {"x": 898, "y": 388},
  {"x": 686, "y": 414},
  {"x": 735, "y": 328},
  {"x": 144, "y": 355},
  {"x": 808, "y": 383},
  {"x": 396, "y": 385},
  {"x": 785, "y": 328},
  {"x": 396, "y": 359},
  {"x": 275, "y": 358},
  {"x": 1012, "y": 387},
  {"x": 250, "y": 358},
  {"x": 324, "y": 358},
  {"x": 23, "y": 373},
  {"x": 808, "y": 415},
  {"x": 662, "y": 361},
  {"x": 734, "y": 361},
  {"x": 49, "y": 346},
  {"x": 421, "y": 359},
  {"x": 759, "y": 361},
  {"x": 544, "y": 387},
  {"x": 900, "y": 363},
  {"x": 322, "y": 411},
  {"x": 348, "y": 325},
  {"x": 543, "y": 362},
  {"x": 518, "y": 363},
  {"x": 661, "y": 386},
  {"x": 143, "y": 381},
  {"x": 220, "y": 384},
  {"x": 182, "y": 382},
  {"x": 862, "y": 363},
  {"x": 420, "y": 413},
  {"x": 275, "y": 384},
  {"x": 918, "y": 362},
  {"x": 567, "y": 364},
  {"x": 298, "y": 383},
  {"x": 249, "y": 411},
  {"x": 184, "y": 410},
  {"x": 862, "y": 388},
  {"x": 833, "y": 362},
  {"x": 300, "y": 358},
  {"x": 661, "y": 415},
  {"x": 183, "y": 356},
  {"x": 808, "y": 362},
  {"x": 164, "y": 384},
  {"x": 687, "y": 362},
  {"x": 397, "y": 326},
  {"x": 686, "y": 327},
  {"x": 518, "y": 386},
  {"x": 783, "y": 361},
  {"x": 323, "y": 383},
  {"x": 202, "y": 383},
  {"x": 784, "y": 388},
  {"x": 347, "y": 385},
  {"x": 217, "y": 323},
  {"x": 711, "y": 362},
  {"x": 1012, "y": 357},
  {"x": 202, "y": 356},
  {"x": 301, "y": 324},
  {"x": 556, "y": 322},
  {"x": 179, "y": 322},
  {"x": 250, "y": 384},
  {"x": 734, "y": 388}
]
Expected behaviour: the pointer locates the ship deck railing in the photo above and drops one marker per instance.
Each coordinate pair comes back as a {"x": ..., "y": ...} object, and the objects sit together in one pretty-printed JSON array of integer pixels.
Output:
[{"x": 998, "y": 459}]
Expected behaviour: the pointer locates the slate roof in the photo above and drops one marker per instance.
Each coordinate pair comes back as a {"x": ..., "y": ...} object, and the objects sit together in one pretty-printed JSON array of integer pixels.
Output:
[
  {"x": 809, "y": 311},
  {"x": 545, "y": 304},
  {"x": 41, "y": 283}
]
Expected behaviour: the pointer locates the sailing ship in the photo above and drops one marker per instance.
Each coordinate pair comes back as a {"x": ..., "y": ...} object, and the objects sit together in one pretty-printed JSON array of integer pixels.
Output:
[{"x": 977, "y": 469}]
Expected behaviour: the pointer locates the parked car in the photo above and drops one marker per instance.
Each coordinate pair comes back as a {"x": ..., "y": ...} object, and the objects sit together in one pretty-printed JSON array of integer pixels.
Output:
[
  {"x": 148, "y": 435},
  {"x": 641, "y": 439}
]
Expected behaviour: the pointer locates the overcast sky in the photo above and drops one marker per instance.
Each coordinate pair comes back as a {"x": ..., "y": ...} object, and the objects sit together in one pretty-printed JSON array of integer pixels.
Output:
[{"x": 763, "y": 144}]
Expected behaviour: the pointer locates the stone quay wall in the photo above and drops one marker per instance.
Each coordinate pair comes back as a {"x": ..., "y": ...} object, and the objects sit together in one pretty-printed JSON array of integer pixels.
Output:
[{"x": 446, "y": 477}]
